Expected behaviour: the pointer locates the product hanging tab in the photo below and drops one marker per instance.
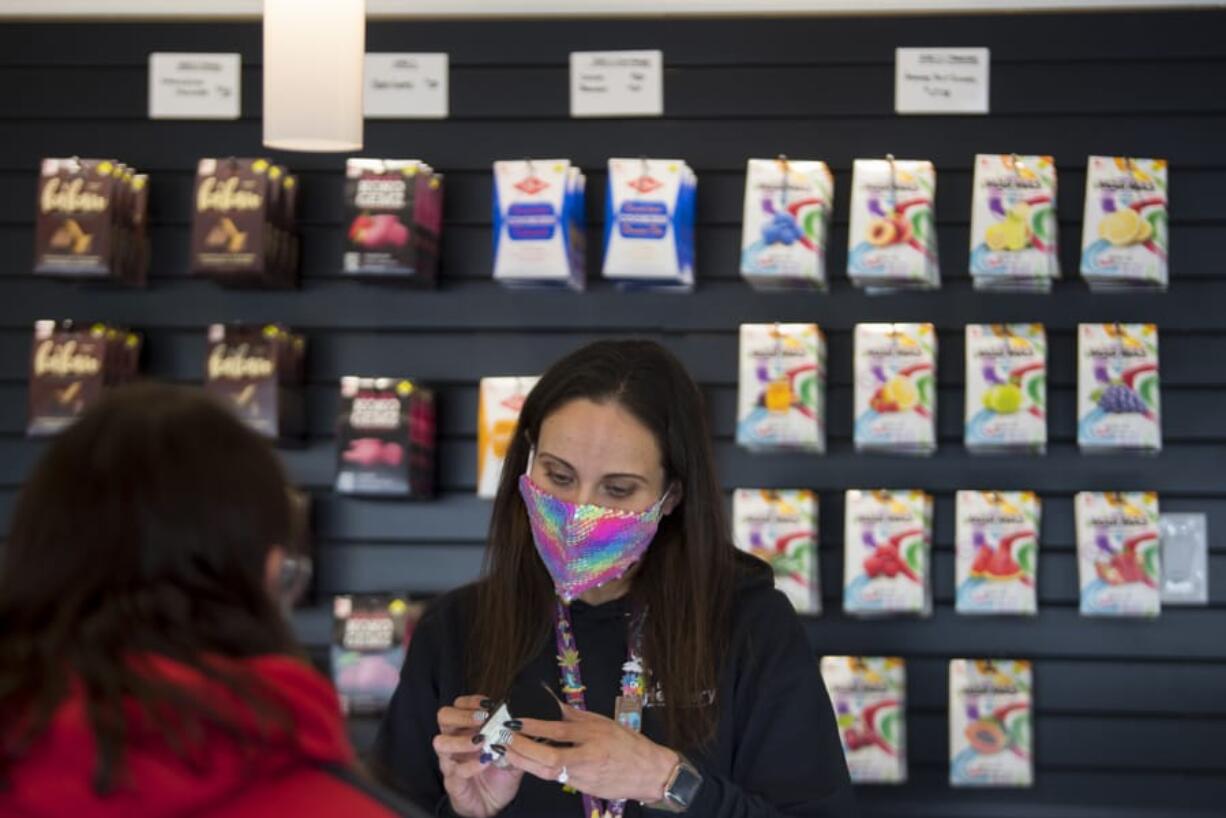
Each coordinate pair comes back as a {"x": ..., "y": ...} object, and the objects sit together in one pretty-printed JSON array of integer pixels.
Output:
[
  {"x": 649, "y": 223},
  {"x": 887, "y": 550},
  {"x": 385, "y": 438},
  {"x": 997, "y": 552},
  {"x": 258, "y": 371},
  {"x": 781, "y": 392},
  {"x": 370, "y": 638},
  {"x": 786, "y": 223},
  {"x": 1006, "y": 388},
  {"x": 780, "y": 527},
  {"x": 1014, "y": 224},
  {"x": 991, "y": 731},
  {"x": 71, "y": 365},
  {"x": 499, "y": 402},
  {"x": 539, "y": 224},
  {"x": 895, "y": 388},
  {"x": 869, "y": 696},
  {"x": 1118, "y": 392},
  {"x": 1125, "y": 236},
  {"x": 892, "y": 243},
  {"x": 1119, "y": 553},
  {"x": 394, "y": 219}
]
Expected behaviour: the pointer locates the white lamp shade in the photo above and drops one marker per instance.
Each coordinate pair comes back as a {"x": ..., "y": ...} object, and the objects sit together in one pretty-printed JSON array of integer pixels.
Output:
[{"x": 313, "y": 56}]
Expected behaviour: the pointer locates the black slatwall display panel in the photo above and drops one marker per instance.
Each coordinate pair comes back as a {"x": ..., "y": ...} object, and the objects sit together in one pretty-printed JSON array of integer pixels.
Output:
[{"x": 1131, "y": 716}]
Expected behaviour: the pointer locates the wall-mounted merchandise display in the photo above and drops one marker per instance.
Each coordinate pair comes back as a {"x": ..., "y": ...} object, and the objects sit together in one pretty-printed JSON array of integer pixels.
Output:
[
  {"x": 649, "y": 223},
  {"x": 370, "y": 637},
  {"x": 892, "y": 243},
  {"x": 786, "y": 223},
  {"x": 781, "y": 391},
  {"x": 258, "y": 371},
  {"x": 895, "y": 388},
  {"x": 1006, "y": 388},
  {"x": 997, "y": 552},
  {"x": 393, "y": 220},
  {"x": 385, "y": 438},
  {"x": 1013, "y": 223},
  {"x": 1125, "y": 239},
  {"x": 92, "y": 221},
  {"x": 244, "y": 223},
  {"x": 991, "y": 732},
  {"x": 1119, "y": 553},
  {"x": 499, "y": 401},
  {"x": 1118, "y": 394},
  {"x": 887, "y": 547},
  {"x": 780, "y": 526},
  {"x": 539, "y": 235},
  {"x": 70, "y": 366},
  {"x": 869, "y": 696}
]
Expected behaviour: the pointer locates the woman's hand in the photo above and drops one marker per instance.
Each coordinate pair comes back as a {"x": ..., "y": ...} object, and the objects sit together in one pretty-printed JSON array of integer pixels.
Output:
[
  {"x": 606, "y": 760},
  {"x": 476, "y": 790}
]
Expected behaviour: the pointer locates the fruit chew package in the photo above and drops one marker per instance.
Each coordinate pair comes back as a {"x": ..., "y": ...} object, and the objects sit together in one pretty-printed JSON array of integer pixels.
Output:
[
  {"x": 70, "y": 366},
  {"x": 371, "y": 634},
  {"x": 1013, "y": 223},
  {"x": 779, "y": 526},
  {"x": 649, "y": 224},
  {"x": 539, "y": 223},
  {"x": 92, "y": 221},
  {"x": 895, "y": 388},
  {"x": 1118, "y": 393},
  {"x": 781, "y": 392},
  {"x": 258, "y": 372},
  {"x": 1125, "y": 239},
  {"x": 991, "y": 731},
  {"x": 1006, "y": 388},
  {"x": 385, "y": 438},
  {"x": 394, "y": 219},
  {"x": 892, "y": 241},
  {"x": 887, "y": 549},
  {"x": 498, "y": 406},
  {"x": 786, "y": 224},
  {"x": 869, "y": 696},
  {"x": 1119, "y": 553},
  {"x": 997, "y": 552}
]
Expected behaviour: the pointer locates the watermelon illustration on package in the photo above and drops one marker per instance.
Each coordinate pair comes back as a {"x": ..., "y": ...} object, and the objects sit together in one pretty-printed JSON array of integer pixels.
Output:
[
  {"x": 1119, "y": 553},
  {"x": 997, "y": 545}
]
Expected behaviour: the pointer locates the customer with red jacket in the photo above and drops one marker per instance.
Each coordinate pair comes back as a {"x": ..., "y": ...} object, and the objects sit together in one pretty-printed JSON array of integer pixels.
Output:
[{"x": 146, "y": 667}]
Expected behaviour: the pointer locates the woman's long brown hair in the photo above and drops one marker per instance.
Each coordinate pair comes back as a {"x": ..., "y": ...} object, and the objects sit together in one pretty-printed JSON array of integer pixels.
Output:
[{"x": 686, "y": 578}]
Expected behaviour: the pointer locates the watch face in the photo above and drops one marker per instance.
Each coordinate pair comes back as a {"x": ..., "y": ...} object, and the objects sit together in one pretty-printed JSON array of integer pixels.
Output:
[{"x": 685, "y": 786}]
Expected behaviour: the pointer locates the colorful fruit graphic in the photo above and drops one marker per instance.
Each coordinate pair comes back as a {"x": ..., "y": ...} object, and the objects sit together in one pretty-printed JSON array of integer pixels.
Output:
[
  {"x": 1126, "y": 567},
  {"x": 898, "y": 394},
  {"x": 1003, "y": 398},
  {"x": 999, "y": 563},
  {"x": 887, "y": 559},
  {"x": 379, "y": 230},
  {"x": 777, "y": 396},
  {"x": 1121, "y": 228}
]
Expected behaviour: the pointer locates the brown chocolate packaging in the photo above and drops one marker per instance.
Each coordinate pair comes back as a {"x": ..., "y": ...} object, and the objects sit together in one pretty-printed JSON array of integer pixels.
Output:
[
  {"x": 258, "y": 372},
  {"x": 70, "y": 366},
  {"x": 393, "y": 220}
]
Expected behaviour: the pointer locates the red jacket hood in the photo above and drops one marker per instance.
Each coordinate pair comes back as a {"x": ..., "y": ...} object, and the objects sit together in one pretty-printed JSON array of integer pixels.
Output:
[{"x": 55, "y": 777}]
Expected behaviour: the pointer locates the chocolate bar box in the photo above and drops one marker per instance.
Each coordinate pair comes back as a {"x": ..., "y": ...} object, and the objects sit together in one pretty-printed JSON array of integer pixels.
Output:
[
  {"x": 70, "y": 366},
  {"x": 258, "y": 372},
  {"x": 393, "y": 218},
  {"x": 385, "y": 438}
]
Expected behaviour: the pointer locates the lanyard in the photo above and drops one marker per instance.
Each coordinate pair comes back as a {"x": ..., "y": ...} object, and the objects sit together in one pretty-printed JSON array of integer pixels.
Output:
[{"x": 629, "y": 709}]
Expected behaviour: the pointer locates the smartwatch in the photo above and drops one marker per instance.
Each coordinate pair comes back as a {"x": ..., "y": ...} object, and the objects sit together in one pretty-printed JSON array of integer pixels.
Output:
[{"x": 681, "y": 789}]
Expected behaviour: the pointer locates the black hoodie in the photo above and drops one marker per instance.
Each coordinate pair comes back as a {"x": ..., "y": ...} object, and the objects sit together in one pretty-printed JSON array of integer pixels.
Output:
[{"x": 776, "y": 751}]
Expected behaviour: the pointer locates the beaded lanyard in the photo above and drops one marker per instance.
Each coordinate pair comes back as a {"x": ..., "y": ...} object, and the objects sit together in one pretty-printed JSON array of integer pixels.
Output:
[{"x": 630, "y": 704}]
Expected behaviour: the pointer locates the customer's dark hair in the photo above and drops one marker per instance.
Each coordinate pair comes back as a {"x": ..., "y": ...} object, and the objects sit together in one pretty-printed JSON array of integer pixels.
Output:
[
  {"x": 143, "y": 531},
  {"x": 686, "y": 578}
]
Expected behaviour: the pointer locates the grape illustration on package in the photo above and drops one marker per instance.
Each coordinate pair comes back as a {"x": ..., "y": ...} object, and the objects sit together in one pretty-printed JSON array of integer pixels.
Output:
[
  {"x": 1125, "y": 238},
  {"x": 1013, "y": 223},
  {"x": 781, "y": 391},
  {"x": 991, "y": 740},
  {"x": 649, "y": 224},
  {"x": 786, "y": 223},
  {"x": 1119, "y": 398},
  {"x": 1006, "y": 388},
  {"x": 1119, "y": 553},
  {"x": 886, "y": 552},
  {"x": 780, "y": 527},
  {"x": 997, "y": 552},
  {"x": 869, "y": 697}
]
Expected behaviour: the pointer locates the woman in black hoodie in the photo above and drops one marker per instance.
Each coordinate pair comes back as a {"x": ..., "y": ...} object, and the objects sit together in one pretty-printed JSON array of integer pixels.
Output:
[{"x": 684, "y": 681}]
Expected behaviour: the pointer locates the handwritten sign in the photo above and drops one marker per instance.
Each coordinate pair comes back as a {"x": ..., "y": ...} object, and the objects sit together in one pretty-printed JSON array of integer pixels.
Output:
[
  {"x": 616, "y": 83},
  {"x": 195, "y": 86},
  {"x": 941, "y": 80},
  {"x": 406, "y": 86}
]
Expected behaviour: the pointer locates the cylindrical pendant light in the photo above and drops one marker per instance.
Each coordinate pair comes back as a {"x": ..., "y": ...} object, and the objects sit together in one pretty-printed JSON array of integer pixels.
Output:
[{"x": 314, "y": 51}]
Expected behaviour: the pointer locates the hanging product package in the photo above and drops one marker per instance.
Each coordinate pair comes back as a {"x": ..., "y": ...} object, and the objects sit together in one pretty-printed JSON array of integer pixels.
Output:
[
  {"x": 895, "y": 388},
  {"x": 781, "y": 391},
  {"x": 991, "y": 731},
  {"x": 1006, "y": 388},
  {"x": 71, "y": 365},
  {"x": 393, "y": 220},
  {"x": 1119, "y": 553},
  {"x": 892, "y": 243},
  {"x": 499, "y": 402},
  {"x": 1014, "y": 224},
  {"x": 869, "y": 696},
  {"x": 887, "y": 548},
  {"x": 539, "y": 224},
  {"x": 258, "y": 371},
  {"x": 1118, "y": 393},
  {"x": 371, "y": 634},
  {"x": 1125, "y": 236},
  {"x": 997, "y": 552},
  {"x": 779, "y": 526},
  {"x": 649, "y": 224},
  {"x": 385, "y": 438},
  {"x": 786, "y": 223}
]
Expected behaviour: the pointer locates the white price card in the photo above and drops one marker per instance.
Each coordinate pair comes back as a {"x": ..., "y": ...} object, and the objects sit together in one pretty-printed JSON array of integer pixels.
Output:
[
  {"x": 616, "y": 83},
  {"x": 941, "y": 80},
  {"x": 195, "y": 86},
  {"x": 406, "y": 86}
]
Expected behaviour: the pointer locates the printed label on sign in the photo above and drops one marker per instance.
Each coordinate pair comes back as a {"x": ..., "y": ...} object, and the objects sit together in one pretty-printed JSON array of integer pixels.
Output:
[
  {"x": 194, "y": 86},
  {"x": 616, "y": 83},
  {"x": 941, "y": 80},
  {"x": 406, "y": 86}
]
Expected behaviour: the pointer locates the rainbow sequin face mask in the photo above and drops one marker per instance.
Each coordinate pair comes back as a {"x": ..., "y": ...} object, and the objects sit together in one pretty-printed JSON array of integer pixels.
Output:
[{"x": 585, "y": 546}]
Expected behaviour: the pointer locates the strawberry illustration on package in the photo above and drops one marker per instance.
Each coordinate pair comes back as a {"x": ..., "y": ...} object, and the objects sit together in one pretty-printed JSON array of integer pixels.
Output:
[{"x": 886, "y": 552}]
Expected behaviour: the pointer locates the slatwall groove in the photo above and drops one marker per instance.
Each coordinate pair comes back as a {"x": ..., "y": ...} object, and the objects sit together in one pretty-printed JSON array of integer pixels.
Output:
[{"x": 1130, "y": 717}]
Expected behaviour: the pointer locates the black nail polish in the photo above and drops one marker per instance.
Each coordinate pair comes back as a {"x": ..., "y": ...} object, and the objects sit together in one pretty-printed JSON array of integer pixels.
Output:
[
  {"x": 487, "y": 704},
  {"x": 499, "y": 749},
  {"x": 514, "y": 725},
  {"x": 477, "y": 739}
]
